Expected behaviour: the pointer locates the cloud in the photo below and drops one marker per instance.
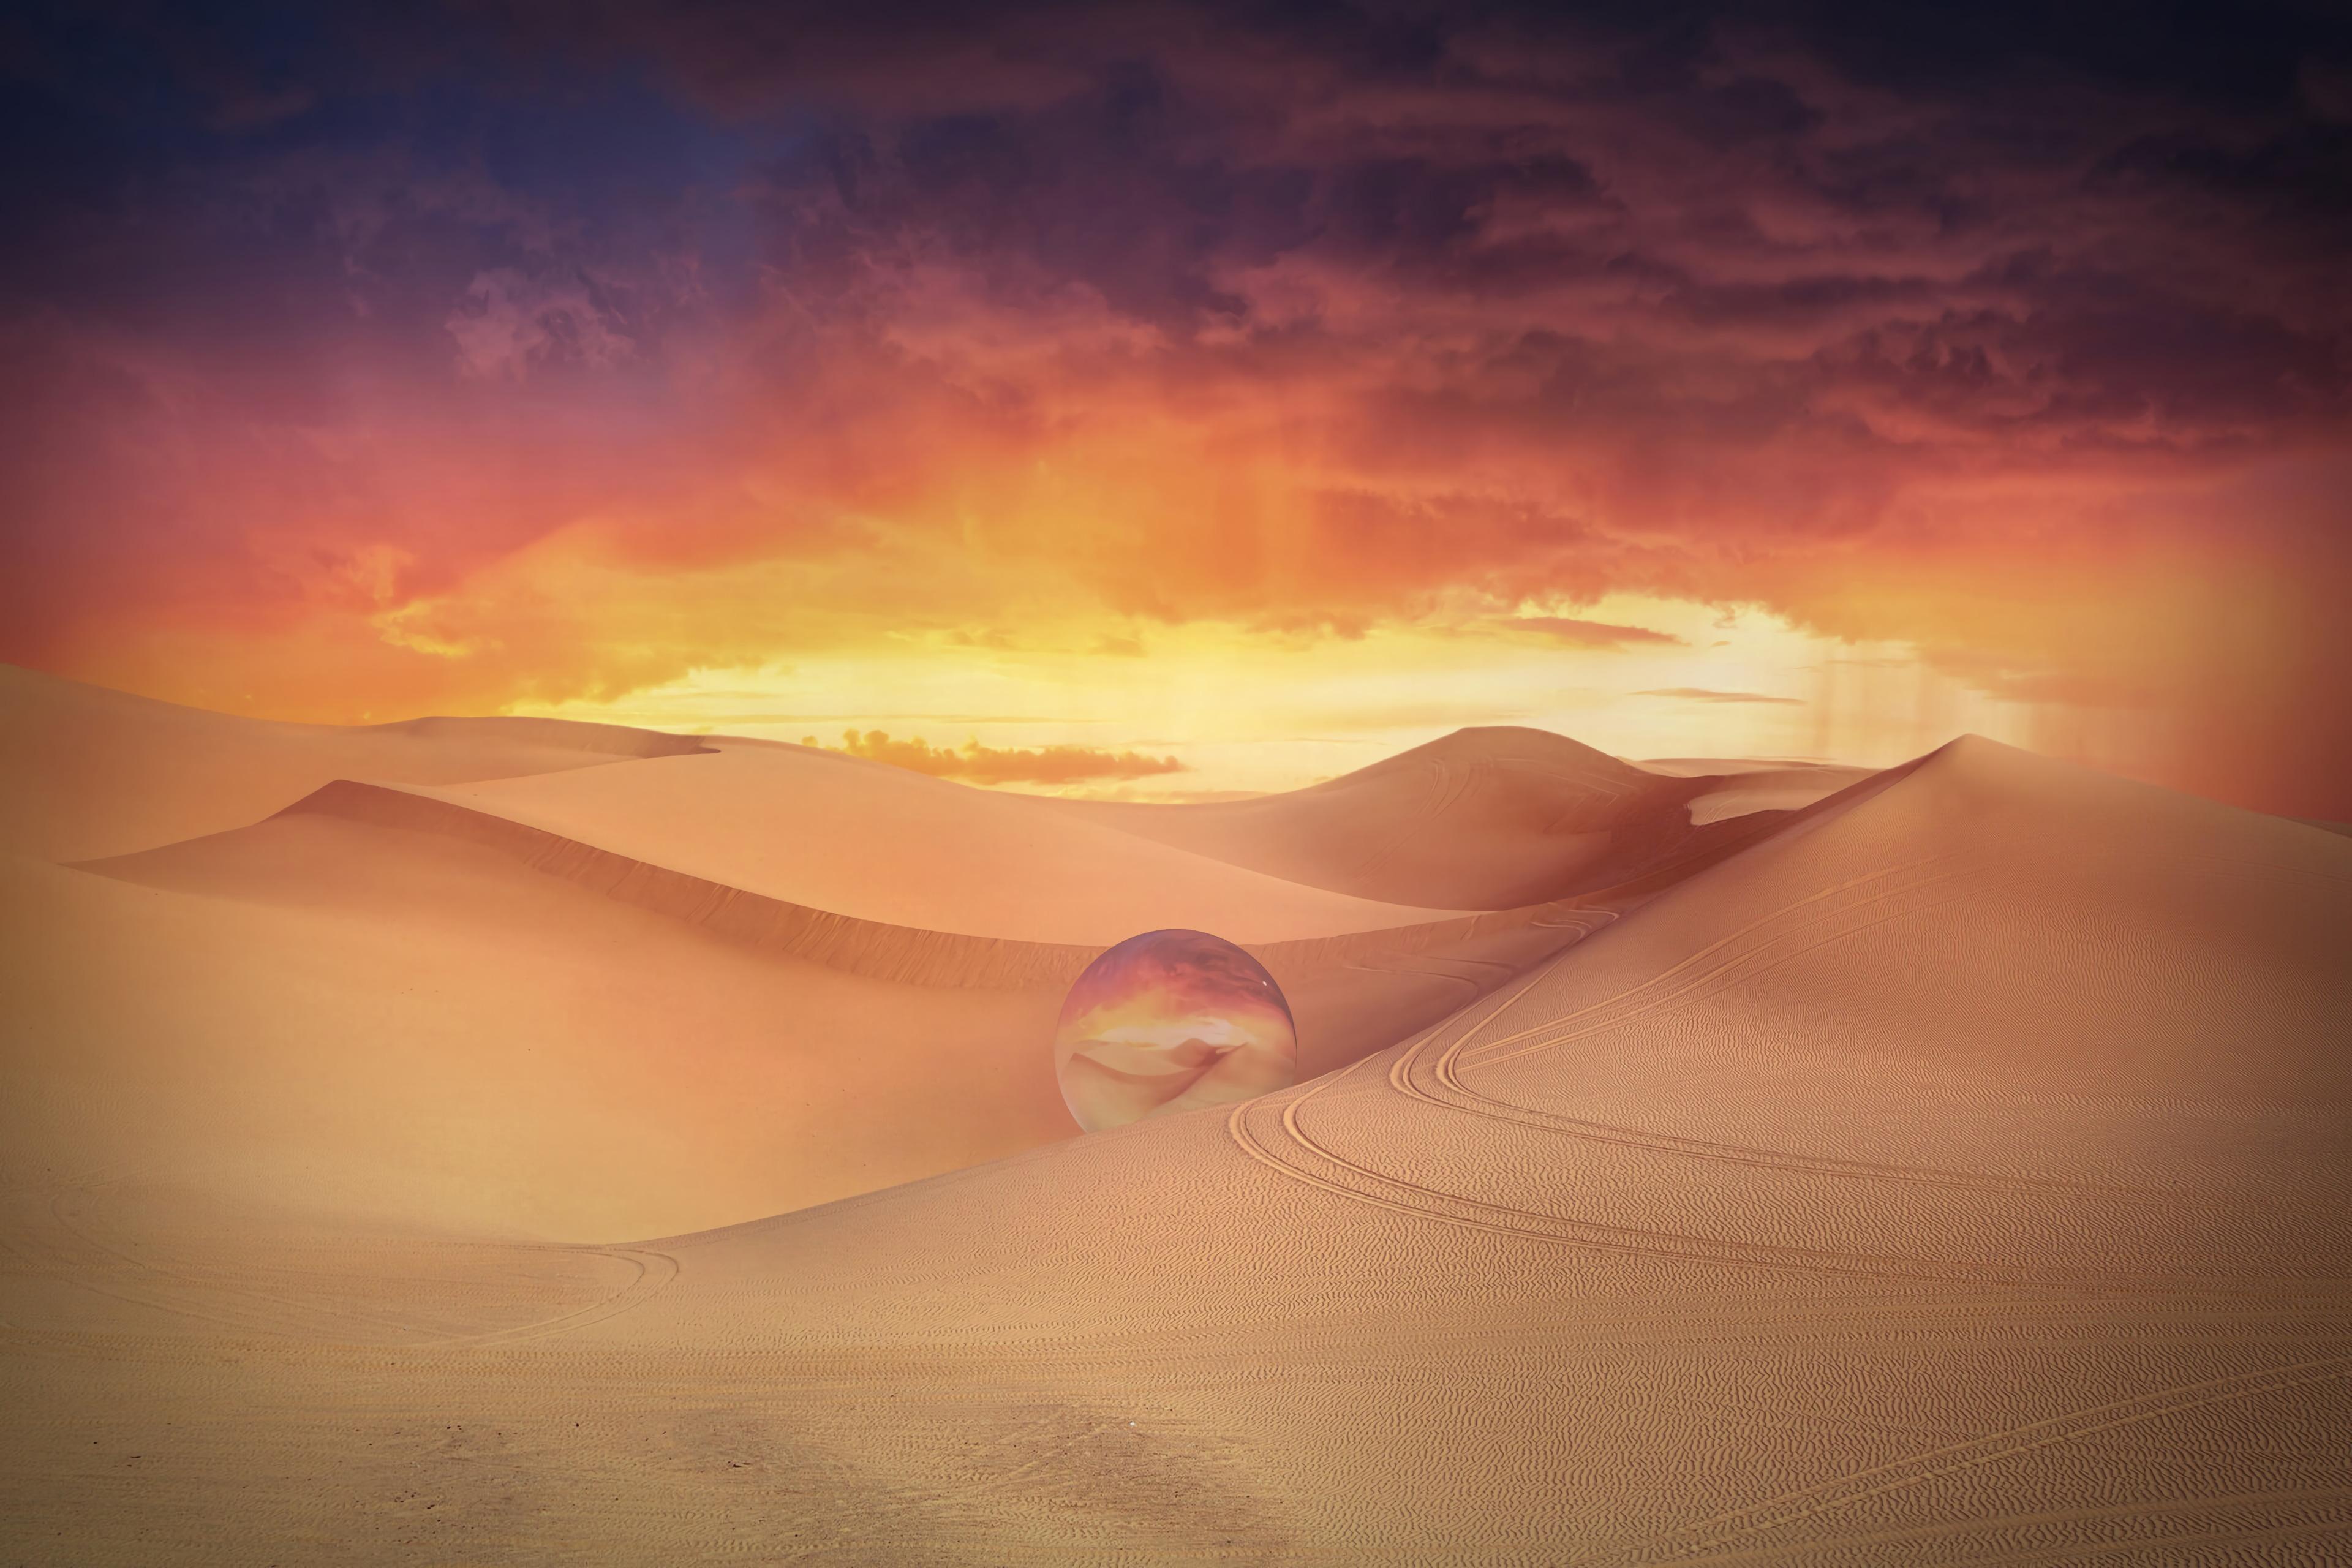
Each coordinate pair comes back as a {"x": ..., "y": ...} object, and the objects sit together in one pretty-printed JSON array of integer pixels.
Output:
[
  {"x": 995, "y": 765},
  {"x": 444, "y": 359},
  {"x": 507, "y": 322},
  {"x": 1570, "y": 633},
  {"x": 1700, "y": 694}
]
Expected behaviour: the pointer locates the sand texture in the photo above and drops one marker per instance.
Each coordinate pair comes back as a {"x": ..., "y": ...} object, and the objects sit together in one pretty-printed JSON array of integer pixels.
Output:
[{"x": 1950, "y": 1165}]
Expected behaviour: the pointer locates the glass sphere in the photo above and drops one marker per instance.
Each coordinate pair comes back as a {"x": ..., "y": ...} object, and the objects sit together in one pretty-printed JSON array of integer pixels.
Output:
[{"x": 1168, "y": 1021}]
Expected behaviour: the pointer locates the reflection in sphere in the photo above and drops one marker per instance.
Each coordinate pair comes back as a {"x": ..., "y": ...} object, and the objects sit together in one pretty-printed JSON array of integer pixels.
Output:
[{"x": 1171, "y": 1020}]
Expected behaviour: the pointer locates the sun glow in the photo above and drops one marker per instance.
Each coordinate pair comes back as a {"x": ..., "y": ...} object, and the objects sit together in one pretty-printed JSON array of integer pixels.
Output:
[{"x": 1247, "y": 711}]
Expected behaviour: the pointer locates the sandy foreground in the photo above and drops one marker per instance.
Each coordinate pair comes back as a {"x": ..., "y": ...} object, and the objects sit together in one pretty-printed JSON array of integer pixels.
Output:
[{"x": 493, "y": 1141}]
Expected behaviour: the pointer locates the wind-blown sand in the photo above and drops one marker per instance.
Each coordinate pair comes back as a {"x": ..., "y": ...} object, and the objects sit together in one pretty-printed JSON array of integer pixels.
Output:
[{"x": 1953, "y": 1171}]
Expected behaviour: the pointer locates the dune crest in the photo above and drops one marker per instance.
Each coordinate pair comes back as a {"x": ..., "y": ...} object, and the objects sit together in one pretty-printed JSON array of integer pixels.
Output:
[
  {"x": 1483, "y": 818},
  {"x": 238, "y": 863},
  {"x": 87, "y": 773},
  {"x": 884, "y": 844},
  {"x": 304, "y": 856}
]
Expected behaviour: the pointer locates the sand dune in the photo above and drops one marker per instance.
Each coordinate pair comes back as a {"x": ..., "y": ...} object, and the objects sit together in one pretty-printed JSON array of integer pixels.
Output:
[
  {"x": 434, "y": 1038},
  {"x": 1741, "y": 788},
  {"x": 759, "y": 1055},
  {"x": 86, "y": 772},
  {"x": 531, "y": 1003},
  {"x": 295, "y": 856},
  {"x": 1954, "y": 1170},
  {"x": 474, "y": 918},
  {"x": 883, "y": 844},
  {"x": 1961, "y": 1178},
  {"x": 1486, "y": 818},
  {"x": 91, "y": 774}
]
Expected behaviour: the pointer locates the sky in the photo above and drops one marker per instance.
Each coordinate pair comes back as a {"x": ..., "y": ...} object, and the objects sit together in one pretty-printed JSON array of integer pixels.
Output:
[{"x": 1176, "y": 399}]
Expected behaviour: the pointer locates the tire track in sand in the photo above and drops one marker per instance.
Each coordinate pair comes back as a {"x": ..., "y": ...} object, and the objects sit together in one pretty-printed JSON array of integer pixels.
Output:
[
  {"x": 1437, "y": 1082},
  {"x": 655, "y": 1271},
  {"x": 1401, "y": 1194}
]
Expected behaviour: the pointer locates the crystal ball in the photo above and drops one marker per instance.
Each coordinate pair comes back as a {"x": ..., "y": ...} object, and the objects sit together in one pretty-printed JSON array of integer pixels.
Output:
[{"x": 1170, "y": 1021}]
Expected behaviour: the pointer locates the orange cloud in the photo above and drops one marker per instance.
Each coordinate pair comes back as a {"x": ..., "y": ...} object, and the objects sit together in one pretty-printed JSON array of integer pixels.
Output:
[
  {"x": 996, "y": 765},
  {"x": 1567, "y": 632}
]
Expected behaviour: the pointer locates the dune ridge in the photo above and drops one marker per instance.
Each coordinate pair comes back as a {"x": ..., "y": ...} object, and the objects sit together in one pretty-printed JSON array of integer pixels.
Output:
[
  {"x": 898, "y": 955},
  {"x": 1487, "y": 818},
  {"x": 902, "y": 849},
  {"x": 615, "y": 741},
  {"x": 87, "y": 773}
]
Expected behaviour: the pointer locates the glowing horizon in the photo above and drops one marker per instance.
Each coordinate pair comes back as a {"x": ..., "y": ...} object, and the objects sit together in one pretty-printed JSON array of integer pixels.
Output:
[{"x": 1716, "y": 683}]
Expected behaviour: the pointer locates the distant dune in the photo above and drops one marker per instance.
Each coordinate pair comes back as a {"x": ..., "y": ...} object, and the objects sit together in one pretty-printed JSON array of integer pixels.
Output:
[
  {"x": 85, "y": 771},
  {"x": 1692, "y": 1163},
  {"x": 1486, "y": 818}
]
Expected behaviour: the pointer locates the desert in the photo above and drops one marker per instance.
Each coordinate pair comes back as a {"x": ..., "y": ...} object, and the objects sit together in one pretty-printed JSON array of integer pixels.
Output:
[
  {"x": 509, "y": 1142},
  {"x": 1135, "y": 784}
]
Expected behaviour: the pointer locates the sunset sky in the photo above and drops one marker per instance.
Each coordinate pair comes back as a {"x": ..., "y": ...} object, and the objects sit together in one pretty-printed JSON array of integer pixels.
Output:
[{"x": 1192, "y": 398}]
